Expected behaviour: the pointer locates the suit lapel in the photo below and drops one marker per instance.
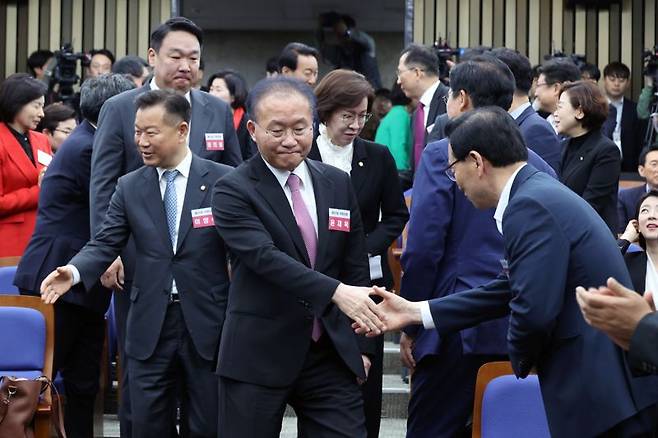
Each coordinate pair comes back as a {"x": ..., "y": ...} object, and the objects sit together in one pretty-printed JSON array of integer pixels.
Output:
[
  {"x": 195, "y": 194},
  {"x": 154, "y": 205},
  {"x": 436, "y": 105},
  {"x": 324, "y": 198},
  {"x": 200, "y": 117},
  {"x": 271, "y": 191},
  {"x": 16, "y": 154},
  {"x": 359, "y": 164}
]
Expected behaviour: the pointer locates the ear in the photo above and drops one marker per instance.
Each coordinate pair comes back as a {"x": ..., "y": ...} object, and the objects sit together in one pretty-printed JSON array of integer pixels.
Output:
[
  {"x": 479, "y": 162},
  {"x": 151, "y": 57},
  {"x": 251, "y": 129},
  {"x": 465, "y": 102},
  {"x": 579, "y": 114},
  {"x": 183, "y": 129},
  {"x": 640, "y": 169},
  {"x": 286, "y": 70}
]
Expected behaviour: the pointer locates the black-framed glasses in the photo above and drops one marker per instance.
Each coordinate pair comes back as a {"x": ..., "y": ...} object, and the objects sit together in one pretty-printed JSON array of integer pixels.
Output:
[{"x": 450, "y": 170}]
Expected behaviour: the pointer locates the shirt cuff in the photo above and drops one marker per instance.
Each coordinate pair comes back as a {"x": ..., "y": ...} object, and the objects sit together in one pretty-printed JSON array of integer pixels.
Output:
[
  {"x": 75, "y": 273},
  {"x": 426, "y": 315}
]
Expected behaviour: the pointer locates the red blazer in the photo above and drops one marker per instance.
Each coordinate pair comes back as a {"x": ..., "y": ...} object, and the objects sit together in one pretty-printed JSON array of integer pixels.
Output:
[{"x": 19, "y": 190}]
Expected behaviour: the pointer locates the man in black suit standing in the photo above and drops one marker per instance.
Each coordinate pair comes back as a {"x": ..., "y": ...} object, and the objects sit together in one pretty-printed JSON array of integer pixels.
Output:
[
  {"x": 296, "y": 237},
  {"x": 628, "y": 131},
  {"x": 174, "y": 53},
  {"x": 418, "y": 76},
  {"x": 180, "y": 289}
]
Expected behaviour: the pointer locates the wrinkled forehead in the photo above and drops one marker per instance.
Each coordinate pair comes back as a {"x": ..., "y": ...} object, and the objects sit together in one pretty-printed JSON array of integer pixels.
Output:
[{"x": 286, "y": 107}]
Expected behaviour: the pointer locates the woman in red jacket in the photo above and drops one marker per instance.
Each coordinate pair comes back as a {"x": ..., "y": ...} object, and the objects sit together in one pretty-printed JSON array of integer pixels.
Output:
[{"x": 24, "y": 156}]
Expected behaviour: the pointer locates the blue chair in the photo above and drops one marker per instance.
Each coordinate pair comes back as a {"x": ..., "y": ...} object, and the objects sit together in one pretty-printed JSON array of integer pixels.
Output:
[
  {"x": 506, "y": 406},
  {"x": 7, "y": 280},
  {"x": 27, "y": 340}
]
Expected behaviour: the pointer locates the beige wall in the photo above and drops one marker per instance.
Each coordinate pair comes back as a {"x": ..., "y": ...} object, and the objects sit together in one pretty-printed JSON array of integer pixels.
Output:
[
  {"x": 620, "y": 32},
  {"x": 123, "y": 26}
]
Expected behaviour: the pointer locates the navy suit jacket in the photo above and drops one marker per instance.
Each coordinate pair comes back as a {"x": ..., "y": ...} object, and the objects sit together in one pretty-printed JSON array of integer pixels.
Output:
[
  {"x": 451, "y": 246},
  {"x": 275, "y": 293},
  {"x": 627, "y": 205},
  {"x": 199, "y": 265},
  {"x": 540, "y": 137},
  {"x": 554, "y": 241},
  {"x": 62, "y": 226}
]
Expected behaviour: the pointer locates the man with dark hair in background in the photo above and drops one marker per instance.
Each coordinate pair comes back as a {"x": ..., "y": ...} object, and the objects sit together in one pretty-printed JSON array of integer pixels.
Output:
[
  {"x": 37, "y": 62},
  {"x": 272, "y": 67},
  {"x": 549, "y": 84},
  {"x": 300, "y": 61},
  {"x": 628, "y": 131},
  {"x": 100, "y": 62},
  {"x": 538, "y": 134},
  {"x": 590, "y": 72},
  {"x": 174, "y": 53},
  {"x": 134, "y": 67}
]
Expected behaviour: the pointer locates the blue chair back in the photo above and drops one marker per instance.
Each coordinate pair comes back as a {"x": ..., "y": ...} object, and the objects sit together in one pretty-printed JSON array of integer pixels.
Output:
[
  {"x": 7, "y": 280},
  {"x": 22, "y": 342},
  {"x": 513, "y": 408}
]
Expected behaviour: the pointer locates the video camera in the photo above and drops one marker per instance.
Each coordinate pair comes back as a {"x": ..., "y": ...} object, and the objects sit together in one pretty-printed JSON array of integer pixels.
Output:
[
  {"x": 62, "y": 71},
  {"x": 650, "y": 58},
  {"x": 445, "y": 53},
  {"x": 579, "y": 60}
]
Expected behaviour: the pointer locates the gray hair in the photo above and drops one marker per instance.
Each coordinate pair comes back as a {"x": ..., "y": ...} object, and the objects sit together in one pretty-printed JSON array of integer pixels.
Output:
[
  {"x": 95, "y": 91},
  {"x": 279, "y": 84}
]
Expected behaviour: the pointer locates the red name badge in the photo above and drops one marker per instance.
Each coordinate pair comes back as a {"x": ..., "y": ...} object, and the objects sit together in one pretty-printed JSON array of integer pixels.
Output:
[
  {"x": 339, "y": 220},
  {"x": 214, "y": 141},
  {"x": 202, "y": 218}
]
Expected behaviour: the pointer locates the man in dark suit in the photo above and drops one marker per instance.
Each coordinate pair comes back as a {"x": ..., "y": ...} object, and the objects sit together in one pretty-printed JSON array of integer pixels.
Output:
[
  {"x": 451, "y": 246},
  {"x": 552, "y": 75},
  {"x": 295, "y": 233},
  {"x": 62, "y": 228},
  {"x": 174, "y": 53},
  {"x": 418, "y": 76},
  {"x": 628, "y": 130},
  {"x": 628, "y": 198},
  {"x": 538, "y": 134},
  {"x": 586, "y": 384},
  {"x": 178, "y": 298}
]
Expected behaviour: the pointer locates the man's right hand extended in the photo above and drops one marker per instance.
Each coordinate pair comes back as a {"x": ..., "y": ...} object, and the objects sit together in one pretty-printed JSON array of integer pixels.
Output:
[
  {"x": 56, "y": 284},
  {"x": 355, "y": 302}
]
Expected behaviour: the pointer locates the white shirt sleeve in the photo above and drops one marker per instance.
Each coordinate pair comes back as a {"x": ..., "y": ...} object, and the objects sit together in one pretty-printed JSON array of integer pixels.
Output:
[
  {"x": 75, "y": 273},
  {"x": 426, "y": 314}
]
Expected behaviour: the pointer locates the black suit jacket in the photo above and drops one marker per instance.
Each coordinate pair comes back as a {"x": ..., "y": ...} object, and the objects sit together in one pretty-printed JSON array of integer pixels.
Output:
[
  {"x": 274, "y": 292},
  {"x": 62, "y": 226},
  {"x": 437, "y": 107},
  {"x": 643, "y": 351},
  {"x": 377, "y": 187},
  {"x": 632, "y": 136},
  {"x": 627, "y": 205},
  {"x": 592, "y": 171},
  {"x": 199, "y": 265},
  {"x": 540, "y": 136}
]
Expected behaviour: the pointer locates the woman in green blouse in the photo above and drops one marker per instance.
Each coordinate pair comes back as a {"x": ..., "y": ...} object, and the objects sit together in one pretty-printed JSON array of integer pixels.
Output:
[{"x": 394, "y": 130}]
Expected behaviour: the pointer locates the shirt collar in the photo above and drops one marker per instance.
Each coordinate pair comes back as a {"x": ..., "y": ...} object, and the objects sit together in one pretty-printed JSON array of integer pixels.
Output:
[
  {"x": 426, "y": 98},
  {"x": 282, "y": 175},
  {"x": 154, "y": 86},
  {"x": 504, "y": 200},
  {"x": 517, "y": 112},
  {"x": 183, "y": 167}
]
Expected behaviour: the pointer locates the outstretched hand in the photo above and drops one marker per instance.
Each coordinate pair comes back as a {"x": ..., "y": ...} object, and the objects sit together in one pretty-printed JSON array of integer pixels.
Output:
[
  {"x": 395, "y": 311},
  {"x": 56, "y": 284},
  {"x": 355, "y": 302}
]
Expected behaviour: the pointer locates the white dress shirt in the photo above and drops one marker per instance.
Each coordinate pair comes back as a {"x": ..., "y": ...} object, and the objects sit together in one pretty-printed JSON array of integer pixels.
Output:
[
  {"x": 334, "y": 155},
  {"x": 305, "y": 188},
  {"x": 180, "y": 184},
  {"x": 503, "y": 201},
  {"x": 616, "y": 134},
  {"x": 517, "y": 112},
  {"x": 550, "y": 119},
  {"x": 426, "y": 100}
]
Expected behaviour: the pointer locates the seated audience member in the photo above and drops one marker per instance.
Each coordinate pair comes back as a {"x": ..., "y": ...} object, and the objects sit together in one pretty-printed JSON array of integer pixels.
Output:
[
  {"x": 24, "y": 156},
  {"x": 62, "y": 229},
  {"x": 590, "y": 72},
  {"x": 394, "y": 130},
  {"x": 300, "y": 61},
  {"x": 134, "y": 67},
  {"x": 627, "y": 129},
  {"x": 180, "y": 288},
  {"x": 100, "y": 63},
  {"x": 629, "y": 198},
  {"x": 57, "y": 123},
  {"x": 590, "y": 164},
  {"x": 272, "y": 67},
  {"x": 342, "y": 107},
  {"x": 231, "y": 87},
  {"x": 380, "y": 105},
  {"x": 37, "y": 62},
  {"x": 552, "y": 76}
]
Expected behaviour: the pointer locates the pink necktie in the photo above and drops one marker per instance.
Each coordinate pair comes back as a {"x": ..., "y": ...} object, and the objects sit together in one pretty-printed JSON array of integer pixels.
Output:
[
  {"x": 419, "y": 133},
  {"x": 305, "y": 224}
]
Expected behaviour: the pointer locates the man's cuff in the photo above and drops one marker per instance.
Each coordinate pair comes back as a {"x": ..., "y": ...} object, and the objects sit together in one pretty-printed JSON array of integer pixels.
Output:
[
  {"x": 75, "y": 273},
  {"x": 426, "y": 315}
]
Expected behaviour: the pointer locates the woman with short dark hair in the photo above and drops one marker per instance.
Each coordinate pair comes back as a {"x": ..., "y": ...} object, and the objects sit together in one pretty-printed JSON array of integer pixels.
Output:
[
  {"x": 591, "y": 162},
  {"x": 57, "y": 123},
  {"x": 342, "y": 108},
  {"x": 24, "y": 156},
  {"x": 231, "y": 87}
]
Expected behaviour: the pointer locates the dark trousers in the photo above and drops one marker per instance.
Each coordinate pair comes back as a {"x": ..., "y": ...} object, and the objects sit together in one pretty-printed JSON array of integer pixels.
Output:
[
  {"x": 79, "y": 335},
  {"x": 442, "y": 391},
  {"x": 155, "y": 383},
  {"x": 640, "y": 425},
  {"x": 121, "y": 308},
  {"x": 372, "y": 390},
  {"x": 325, "y": 397}
]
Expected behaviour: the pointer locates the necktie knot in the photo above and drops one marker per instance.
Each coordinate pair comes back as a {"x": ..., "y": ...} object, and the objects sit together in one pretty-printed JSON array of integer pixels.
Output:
[
  {"x": 170, "y": 175},
  {"x": 293, "y": 182}
]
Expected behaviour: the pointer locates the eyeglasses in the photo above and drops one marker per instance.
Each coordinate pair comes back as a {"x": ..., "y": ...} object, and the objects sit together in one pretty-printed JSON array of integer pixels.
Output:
[
  {"x": 450, "y": 170},
  {"x": 349, "y": 118},
  {"x": 543, "y": 84},
  {"x": 280, "y": 134}
]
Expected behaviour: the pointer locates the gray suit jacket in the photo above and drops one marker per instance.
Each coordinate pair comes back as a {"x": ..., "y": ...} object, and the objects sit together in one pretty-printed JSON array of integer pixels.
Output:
[{"x": 199, "y": 265}]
